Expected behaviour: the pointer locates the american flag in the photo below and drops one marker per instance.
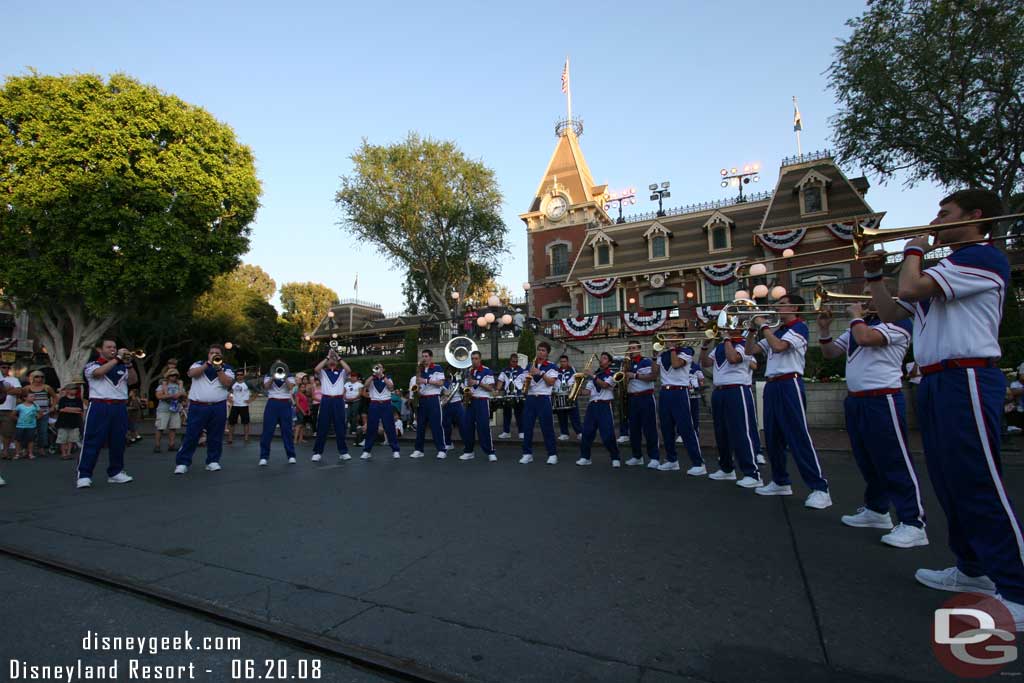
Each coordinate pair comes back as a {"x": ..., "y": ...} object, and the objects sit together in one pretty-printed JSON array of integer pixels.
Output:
[
  {"x": 565, "y": 76},
  {"x": 798, "y": 123},
  {"x": 356, "y": 285}
]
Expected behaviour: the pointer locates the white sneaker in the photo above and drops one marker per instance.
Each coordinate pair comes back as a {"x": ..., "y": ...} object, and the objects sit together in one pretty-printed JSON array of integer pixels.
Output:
[
  {"x": 634, "y": 462},
  {"x": 552, "y": 459},
  {"x": 213, "y": 467},
  {"x": 83, "y": 482},
  {"x": 504, "y": 435},
  {"x": 750, "y": 482},
  {"x": 563, "y": 437},
  {"x": 395, "y": 455},
  {"x": 669, "y": 466},
  {"x": 119, "y": 478},
  {"x": 819, "y": 500},
  {"x": 442, "y": 455},
  {"x": 868, "y": 519},
  {"x": 291, "y": 461},
  {"x": 616, "y": 464},
  {"x": 582, "y": 462},
  {"x": 695, "y": 471},
  {"x": 520, "y": 435},
  {"x": 906, "y": 536},
  {"x": 953, "y": 580},
  {"x": 493, "y": 457},
  {"x": 2, "y": 482},
  {"x": 773, "y": 489},
  {"x": 722, "y": 475},
  {"x": 344, "y": 456},
  {"x": 679, "y": 438},
  {"x": 1013, "y": 430},
  {"x": 416, "y": 454},
  {"x": 316, "y": 457},
  {"x": 760, "y": 460},
  {"x": 448, "y": 447},
  {"x": 263, "y": 462},
  {"x": 526, "y": 459},
  {"x": 467, "y": 456},
  {"x": 365, "y": 456},
  {"x": 622, "y": 439},
  {"x": 180, "y": 469},
  {"x": 1016, "y": 611},
  {"x": 653, "y": 464}
]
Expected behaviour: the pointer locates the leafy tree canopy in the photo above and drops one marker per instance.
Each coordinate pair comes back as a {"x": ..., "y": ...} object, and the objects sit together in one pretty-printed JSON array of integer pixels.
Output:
[{"x": 306, "y": 303}]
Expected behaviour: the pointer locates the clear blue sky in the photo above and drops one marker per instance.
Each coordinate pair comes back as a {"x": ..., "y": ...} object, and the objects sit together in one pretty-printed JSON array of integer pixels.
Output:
[{"x": 670, "y": 92}]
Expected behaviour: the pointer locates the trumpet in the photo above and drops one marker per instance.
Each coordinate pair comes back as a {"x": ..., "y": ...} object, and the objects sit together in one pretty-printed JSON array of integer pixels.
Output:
[
  {"x": 278, "y": 370},
  {"x": 129, "y": 356},
  {"x": 864, "y": 237},
  {"x": 217, "y": 360},
  {"x": 378, "y": 370}
]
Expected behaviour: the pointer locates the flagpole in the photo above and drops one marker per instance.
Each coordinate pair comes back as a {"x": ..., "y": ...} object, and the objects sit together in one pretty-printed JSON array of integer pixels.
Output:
[{"x": 568, "y": 89}]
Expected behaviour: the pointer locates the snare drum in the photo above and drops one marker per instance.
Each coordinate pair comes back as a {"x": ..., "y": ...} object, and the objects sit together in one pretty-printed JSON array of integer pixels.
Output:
[{"x": 560, "y": 401}]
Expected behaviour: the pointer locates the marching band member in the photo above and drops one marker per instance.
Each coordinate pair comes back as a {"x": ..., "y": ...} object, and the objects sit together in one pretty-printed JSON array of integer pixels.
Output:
[
  {"x": 207, "y": 410},
  {"x": 278, "y": 411},
  {"x": 643, "y": 417},
  {"x": 598, "y": 417},
  {"x": 732, "y": 404},
  {"x": 511, "y": 379},
  {"x": 106, "y": 420},
  {"x": 477, "y": 418},
  {"x": 674, "y": 411},
  {"x": 957, "y": 307},
  {"x": 430, "y": 380},
  {"x": 333, "y": 372},
  {"x": 876, "y": 420},
  {"x": 240, "y": 396},
  {"x": 378, "y": 390},
  {"x": 541, "y": 377},
  {"x": 785, "y": 418},
  {"x": 565, "y": 375},
  {"x": 453, "y": 414}
]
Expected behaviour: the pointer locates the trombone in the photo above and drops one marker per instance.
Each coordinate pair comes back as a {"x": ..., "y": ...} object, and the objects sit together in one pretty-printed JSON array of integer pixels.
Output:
[
  {"x": 866, "y": 237},
  {"x": 738, "y": 314}
]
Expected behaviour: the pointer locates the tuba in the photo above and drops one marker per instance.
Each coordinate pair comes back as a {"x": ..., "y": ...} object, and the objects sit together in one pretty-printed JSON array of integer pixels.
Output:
[{"x": 458, "y": 353}]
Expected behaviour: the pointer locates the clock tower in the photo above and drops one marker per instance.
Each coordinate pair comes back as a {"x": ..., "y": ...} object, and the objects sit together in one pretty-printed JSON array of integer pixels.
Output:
[{"x": 565, "y": 203}]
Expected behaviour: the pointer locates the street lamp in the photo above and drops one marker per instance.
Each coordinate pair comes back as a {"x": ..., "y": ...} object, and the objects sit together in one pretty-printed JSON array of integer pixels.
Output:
[
  {"x": 618, "y": 199},
  {"x": 733, "y": 177},
  {"x": 660, "y": 194}
]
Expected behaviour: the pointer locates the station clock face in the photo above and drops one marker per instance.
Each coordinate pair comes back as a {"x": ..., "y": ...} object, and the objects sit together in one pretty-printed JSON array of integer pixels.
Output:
[{"x": 557, "y": 207}]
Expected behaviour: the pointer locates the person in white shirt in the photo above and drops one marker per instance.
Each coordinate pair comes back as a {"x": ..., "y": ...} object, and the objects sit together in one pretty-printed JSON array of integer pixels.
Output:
[
  {"x": 476, "y": 419},
  {"x": 641, "y": 374},
  {"x": 541, "y": 376},
  {"x": 207, "y": 410},
  {"x": 10, "y": 390},
  {"x": 378, "y": 390},
  {"x": 876, "y": 420},
  {"x": 600, "y": 386},
  {"x": 106, "y": 420},
  {"x": 674, "y": 411},
  {"x": 354, "y": 402},
  {"x": 430, "y": 380},
  {"x": 240, "y": 397},
  {"x": 332, "y": 372},
  {"x": 785, "y": 415},
  {"x": 732, "y": 405},
  {"x": 957, "y": 307},
  {"x": 278, "y": 412}
]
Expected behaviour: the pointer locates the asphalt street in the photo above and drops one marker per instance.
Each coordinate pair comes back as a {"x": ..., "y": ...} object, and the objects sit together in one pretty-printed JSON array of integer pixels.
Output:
[{"x": 487, "y": 571}]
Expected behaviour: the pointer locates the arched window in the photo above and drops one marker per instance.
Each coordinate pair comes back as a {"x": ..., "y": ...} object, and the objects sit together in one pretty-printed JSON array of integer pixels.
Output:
[{"x": 558, "y": 255}]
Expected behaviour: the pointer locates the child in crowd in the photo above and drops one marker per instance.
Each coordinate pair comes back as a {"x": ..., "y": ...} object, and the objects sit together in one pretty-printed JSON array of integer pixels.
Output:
[
  {"x": 134, "y": 416},
  {"x": 25, "y": 430},
  {"x": 69, "y": 421}
]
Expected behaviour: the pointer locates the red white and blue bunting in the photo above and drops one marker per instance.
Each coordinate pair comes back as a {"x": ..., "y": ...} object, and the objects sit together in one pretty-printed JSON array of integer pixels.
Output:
[
  {"x": 600, "y": 287},
  {"x": 647, "y": 322},
  {"x": 582, "y": 327},
  {"x": 707, "y": 312},
  {"x": 844, "y": 231},
  {"x": 780, "y": 241},
  {"x": 720, "y": 273}
]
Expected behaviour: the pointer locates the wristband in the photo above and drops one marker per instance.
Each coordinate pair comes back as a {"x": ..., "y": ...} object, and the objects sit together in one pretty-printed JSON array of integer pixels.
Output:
[
  {"x": 913, "y": 251},
  {"x": 857, "y": 321},
  {"x": 824, "y": 340},
  {"x": 873, "y": 276}
]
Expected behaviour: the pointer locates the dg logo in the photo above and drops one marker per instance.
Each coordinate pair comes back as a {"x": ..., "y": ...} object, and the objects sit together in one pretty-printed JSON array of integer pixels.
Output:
[{"x": 973, "y": 636}]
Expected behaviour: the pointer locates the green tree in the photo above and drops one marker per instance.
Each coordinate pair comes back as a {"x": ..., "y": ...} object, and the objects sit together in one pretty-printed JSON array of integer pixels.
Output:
[
  {"x": 430, "y": 210},
  {"x": 527, "y": 344},
  {"x": 117, "y": 197},
  {"x": 933, "y": 88},
  {"x": 307, "y": 303},
  {"x": 234, "y": 310},
  {"x": 254, "y": 279}
]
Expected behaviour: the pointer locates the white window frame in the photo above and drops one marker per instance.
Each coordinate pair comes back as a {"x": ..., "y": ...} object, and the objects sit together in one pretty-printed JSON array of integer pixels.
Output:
[
  {"x": 658, "y": 230},
  {"x": 813, "y": 179},
  {"x": 705, "y": 294},
  {"x": 680, "y": 295},
  {"x": 557, "y": 304},
  {"x": 549, "y": 249},
  {"x": 599, "y": 239},
  {"x": 719, "y": 219}
]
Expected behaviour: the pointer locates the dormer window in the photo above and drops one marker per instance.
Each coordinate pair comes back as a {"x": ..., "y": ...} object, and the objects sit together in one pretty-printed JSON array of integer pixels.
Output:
[
  {"x": 604, "y": 250},
  {"x": 719, "y": 229},
  {"x": 813, "y": 191},
  {"x": 657, "y": 237}
]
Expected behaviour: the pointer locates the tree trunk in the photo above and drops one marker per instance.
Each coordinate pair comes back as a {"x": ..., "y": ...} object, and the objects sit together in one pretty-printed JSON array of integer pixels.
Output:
[{"x": 70, "y": 336}]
